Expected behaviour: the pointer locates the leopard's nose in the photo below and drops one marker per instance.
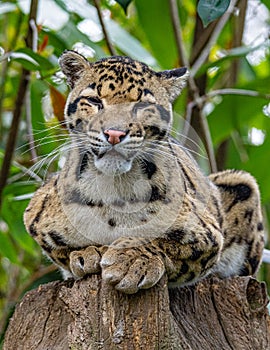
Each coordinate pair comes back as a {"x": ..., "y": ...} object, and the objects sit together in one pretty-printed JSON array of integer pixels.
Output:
[{"x": 114, "y": 136}]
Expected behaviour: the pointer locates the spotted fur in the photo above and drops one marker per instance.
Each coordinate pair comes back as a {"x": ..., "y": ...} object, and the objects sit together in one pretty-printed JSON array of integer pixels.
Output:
[{"x": 130, "y": 202}]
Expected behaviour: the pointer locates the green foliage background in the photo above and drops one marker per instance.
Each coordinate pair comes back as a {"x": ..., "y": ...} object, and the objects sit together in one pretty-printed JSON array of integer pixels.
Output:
[{"x": 227, "y": 102}]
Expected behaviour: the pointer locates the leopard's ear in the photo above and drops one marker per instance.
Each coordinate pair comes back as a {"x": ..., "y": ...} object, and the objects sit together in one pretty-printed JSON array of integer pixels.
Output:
[
  {"x": 73, "y": 66},
  {"x": 174, "y": 81}
]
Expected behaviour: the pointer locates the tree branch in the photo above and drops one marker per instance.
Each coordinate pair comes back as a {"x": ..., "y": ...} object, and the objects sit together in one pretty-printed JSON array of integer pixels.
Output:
[
  {"x": 90, "y": 314},
  {"x": 106, "y": 36}
]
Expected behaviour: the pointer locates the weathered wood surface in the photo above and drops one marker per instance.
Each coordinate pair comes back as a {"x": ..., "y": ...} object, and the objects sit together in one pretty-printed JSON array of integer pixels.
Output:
[{"x": 89, "y": 314}]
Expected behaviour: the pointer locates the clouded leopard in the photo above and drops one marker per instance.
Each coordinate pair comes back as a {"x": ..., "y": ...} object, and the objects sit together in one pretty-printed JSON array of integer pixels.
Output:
[{"x": 130, "y": 203}]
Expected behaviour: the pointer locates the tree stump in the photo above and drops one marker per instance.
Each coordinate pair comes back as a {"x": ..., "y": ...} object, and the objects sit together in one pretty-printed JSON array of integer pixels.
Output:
[{"x": 89, "y": 314}]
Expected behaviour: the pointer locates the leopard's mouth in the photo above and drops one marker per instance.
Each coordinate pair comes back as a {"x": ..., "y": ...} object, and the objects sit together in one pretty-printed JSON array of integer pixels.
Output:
[
  {"x": 112, "y": 162},
  {"x": 110, "y": 153}
]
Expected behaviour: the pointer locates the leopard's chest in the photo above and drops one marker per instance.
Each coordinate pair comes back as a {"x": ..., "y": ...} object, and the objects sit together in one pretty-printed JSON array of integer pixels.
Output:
[
  {"x": 102, "y": 210},
  {"x": 102, "y": 224}
]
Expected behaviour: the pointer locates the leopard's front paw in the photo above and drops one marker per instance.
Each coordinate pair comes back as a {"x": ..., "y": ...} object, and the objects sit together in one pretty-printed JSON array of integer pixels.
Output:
[
  {"x": 85, "y": 261},
  {"x": 130, "y": 266}
]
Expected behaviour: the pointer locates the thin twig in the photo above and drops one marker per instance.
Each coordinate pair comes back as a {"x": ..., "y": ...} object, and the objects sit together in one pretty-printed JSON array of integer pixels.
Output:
[
  {"x": 178, "y": 33},
  {"x": 216, "y": 32},
  {"x": 5, "y": 63},
  {"x": 192, "y": 84},
  {"x": 211, "y": 94},
  {"x": 24, "y": 80},
  {"x": 106, "y": 36},
  {"x": 179, "y": 43},
  {"x": 30, "y": 135},
  {"x": 230, "y": 91},
  {"x": 28, "y": 113}
]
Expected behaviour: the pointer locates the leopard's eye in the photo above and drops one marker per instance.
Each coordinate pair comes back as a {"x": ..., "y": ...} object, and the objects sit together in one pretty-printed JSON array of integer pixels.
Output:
[{"x": 96, "y": 101}]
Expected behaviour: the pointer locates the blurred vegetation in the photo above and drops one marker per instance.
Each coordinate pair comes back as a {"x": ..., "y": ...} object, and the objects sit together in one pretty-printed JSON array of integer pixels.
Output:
[{"x": 226, "y": 102}]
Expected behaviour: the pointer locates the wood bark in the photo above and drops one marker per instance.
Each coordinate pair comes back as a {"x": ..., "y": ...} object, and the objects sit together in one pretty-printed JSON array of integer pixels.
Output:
[{"x": 89, "y": 314}]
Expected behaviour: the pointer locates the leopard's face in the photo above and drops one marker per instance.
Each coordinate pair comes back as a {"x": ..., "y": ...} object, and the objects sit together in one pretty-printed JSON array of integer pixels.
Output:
[{"x": 118, "y": 109}]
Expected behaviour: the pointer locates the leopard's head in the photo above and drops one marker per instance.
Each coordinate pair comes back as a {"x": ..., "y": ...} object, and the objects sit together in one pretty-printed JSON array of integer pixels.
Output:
[{"x": 118, "y": 108}]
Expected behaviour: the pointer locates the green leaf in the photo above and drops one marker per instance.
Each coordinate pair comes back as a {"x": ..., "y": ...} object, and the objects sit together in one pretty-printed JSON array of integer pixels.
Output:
[
  {"x": 124, "y": 4},
  {"x": 234, "y": 112},
  {"x": 12, "y": 211},
  {"x": 237, "y": 52},
  {"x": 209, "y": 10},
  {"x": 31, "y": 60},
  {"x": 266, "y": 3},
  {"x": 44, "y": 141},
  {"x": 7, "y": 249},
  {"x": 155, "y": 19},
  {"x": 70, "y": 34},
  {"x": 128, "y": 44}
]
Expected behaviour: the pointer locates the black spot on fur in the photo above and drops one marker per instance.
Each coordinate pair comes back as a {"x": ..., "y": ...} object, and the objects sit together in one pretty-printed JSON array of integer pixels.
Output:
[
  {"x": 78, "y": 124},
  {"x": 253, "y": 262},
  {"x": 244, "y": 271},
  {"x": 186, "y": 176},
  {"x": 99, "y": 87},
  {"x": 190, "y": 277},
  {"x": 91, "y": 203},
  {"x": 147, "y": 92},
  {"x": 260, "y": 226},
  {"x": 84, "y": 163},
  {"x": 46, "y": 247},
  {"x": 92, "y": 86},
  {"x": 211, "y": 238},
  {"x": 176, "y": 235},
  {"x": 57, "y": 239},
  {"x": 149, "y": 168},
  {"x": 248, "y": 215},
  {"x": 157, "y": 195},
  {"x": 205, "y": 261},
  {"x": 154, "y": 130},
  {"x": 63, "y": 261},
  {"x": 241, "y": 193},
  {"x": 112, "y": 223},
  {"x": 234, "y": 239},
  {"x": 196, "y": 254},
  {"x": 32, "y": 229},
  {"x": 151, "y": 251},
  {"x": 184, "y": 268},
  {"x": 72, "y": 107},
  {"x": 164, "y": 114},
  {"x": 217, "y": 205}
]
